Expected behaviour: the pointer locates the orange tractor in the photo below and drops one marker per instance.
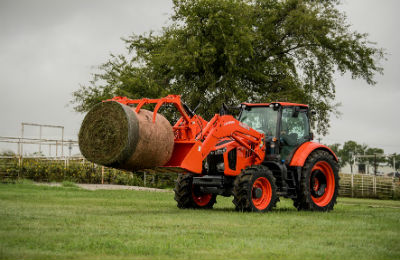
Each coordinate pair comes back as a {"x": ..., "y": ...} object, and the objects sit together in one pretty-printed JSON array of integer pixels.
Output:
[{"x": 265, "y": 152}]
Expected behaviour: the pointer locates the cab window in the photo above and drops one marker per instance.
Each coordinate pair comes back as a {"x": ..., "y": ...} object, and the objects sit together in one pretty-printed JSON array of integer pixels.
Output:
[
  {"x": 262, "y": 119},
  {"x": 294, "y": 129}
]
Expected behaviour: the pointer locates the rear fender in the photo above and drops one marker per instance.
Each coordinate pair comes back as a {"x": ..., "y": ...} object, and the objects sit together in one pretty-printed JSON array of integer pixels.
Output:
[{"x": 301, "y": 154}]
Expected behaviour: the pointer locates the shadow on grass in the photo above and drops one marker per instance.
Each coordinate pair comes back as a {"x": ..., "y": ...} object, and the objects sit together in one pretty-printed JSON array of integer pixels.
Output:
[
  {"x": 291, "y": 209},
  {"x": 175, "y": 211}
]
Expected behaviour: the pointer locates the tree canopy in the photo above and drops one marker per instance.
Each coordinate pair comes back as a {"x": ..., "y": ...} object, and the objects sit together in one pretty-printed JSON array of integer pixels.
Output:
[{"x": 234, "y": 51}]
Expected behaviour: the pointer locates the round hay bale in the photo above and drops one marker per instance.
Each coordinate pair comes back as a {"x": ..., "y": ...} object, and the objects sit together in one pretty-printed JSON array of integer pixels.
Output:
[{"x": 114, "y": 135}]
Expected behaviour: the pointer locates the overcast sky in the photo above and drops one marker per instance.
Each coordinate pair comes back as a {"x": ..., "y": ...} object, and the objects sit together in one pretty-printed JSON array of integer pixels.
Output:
[{"x": 48, "y": 48}]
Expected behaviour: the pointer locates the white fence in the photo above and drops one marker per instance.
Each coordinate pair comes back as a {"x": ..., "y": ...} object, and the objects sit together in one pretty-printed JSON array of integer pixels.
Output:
[{"x": 369, "y": 186}]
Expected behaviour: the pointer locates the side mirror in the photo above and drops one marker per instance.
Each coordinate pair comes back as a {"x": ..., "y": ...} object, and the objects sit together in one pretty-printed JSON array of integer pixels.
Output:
[
  {"x": 275, "y": 106},
  {"x": 224, "y": 110},
  {"x": 194, "y": 110}
]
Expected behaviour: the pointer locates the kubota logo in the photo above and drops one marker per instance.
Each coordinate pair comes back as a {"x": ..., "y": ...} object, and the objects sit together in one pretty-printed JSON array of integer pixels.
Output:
[{"x": 229, "y": 123}]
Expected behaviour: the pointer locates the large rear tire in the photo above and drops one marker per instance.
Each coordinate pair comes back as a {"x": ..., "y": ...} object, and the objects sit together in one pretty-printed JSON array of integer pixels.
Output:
[
  {"x": 319, "y": 183},
  {"x": 189, "y": 196},
  {"x": 255, "y": 190}
]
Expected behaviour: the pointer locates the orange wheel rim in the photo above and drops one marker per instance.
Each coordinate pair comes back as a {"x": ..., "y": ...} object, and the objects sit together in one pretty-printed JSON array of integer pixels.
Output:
[
  {"x": 201, "y": 199},
  {"x": 263, "y": 201},
  {"x": 322, "y": 183},
  {"x": 316, "y": 185}
]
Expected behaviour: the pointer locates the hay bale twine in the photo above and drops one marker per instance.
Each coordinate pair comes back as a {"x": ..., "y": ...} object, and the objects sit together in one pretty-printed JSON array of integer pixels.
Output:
[{"x": 114, "y": 135}]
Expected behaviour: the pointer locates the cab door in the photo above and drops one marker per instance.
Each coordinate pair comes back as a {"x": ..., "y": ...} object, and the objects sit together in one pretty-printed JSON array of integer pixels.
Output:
[{"x": 294, "y": 129}]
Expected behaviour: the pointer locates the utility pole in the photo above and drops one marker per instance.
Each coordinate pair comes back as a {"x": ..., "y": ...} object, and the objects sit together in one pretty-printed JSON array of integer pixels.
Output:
[
  {"x": 351, "y": 163},
  {"x": 366, "y": 165}
]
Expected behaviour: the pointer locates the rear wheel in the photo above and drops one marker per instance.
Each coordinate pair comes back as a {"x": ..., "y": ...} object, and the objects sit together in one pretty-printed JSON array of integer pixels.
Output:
[
  {"x": 255, "y": 190},
  {"x": 319, "y": 183},
  {"x": 189, "y": 196}
]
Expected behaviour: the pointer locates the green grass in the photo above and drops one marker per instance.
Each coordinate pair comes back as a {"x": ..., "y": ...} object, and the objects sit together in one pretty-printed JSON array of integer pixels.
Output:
[{"x": 40, "y": 222}]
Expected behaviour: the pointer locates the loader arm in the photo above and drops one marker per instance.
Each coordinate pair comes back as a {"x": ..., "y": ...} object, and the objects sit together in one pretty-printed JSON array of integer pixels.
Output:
[
  {"x": 227, "y": 126},
  {"x": 195, "y": 138},
  {"x": 190, "y": 155}
]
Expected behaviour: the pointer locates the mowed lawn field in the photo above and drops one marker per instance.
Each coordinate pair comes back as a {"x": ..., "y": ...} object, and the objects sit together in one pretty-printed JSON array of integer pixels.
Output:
[{"x": 41, "y": 222}]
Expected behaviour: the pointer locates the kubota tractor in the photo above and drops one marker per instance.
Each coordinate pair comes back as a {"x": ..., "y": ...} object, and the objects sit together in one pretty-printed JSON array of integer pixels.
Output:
[{"x": 264, "y": 153}]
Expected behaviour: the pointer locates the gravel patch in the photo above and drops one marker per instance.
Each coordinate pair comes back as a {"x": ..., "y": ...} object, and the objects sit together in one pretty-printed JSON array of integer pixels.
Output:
[
  {"x": 106, "y": 187},
  {"x": 117, "y": 187}
]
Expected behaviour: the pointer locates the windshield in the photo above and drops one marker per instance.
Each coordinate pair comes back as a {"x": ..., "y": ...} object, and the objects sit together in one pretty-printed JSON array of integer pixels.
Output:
[
  {"x": 296, "y": 127},
  {"x": 262, "y": 119}
]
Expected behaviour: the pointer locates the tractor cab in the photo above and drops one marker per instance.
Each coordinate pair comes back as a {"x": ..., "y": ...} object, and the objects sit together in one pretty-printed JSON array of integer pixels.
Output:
[{"x": 286, "y": 126}]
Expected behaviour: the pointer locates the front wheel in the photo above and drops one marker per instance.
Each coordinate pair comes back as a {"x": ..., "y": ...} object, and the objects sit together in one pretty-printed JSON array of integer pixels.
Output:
[
  {"x": 255, "y": 190},
  {"x": 319, "y": 183},
  {"x": 189, "y": 196}
]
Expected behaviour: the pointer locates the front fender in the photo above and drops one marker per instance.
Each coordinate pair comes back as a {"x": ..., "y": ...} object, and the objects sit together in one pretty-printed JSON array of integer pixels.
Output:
[{"x": 300, "y": 156}]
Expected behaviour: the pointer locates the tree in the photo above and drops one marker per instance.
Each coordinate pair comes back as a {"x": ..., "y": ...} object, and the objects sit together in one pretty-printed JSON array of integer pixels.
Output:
[
  {"x": 7, "y": 153},
  {"x": 37, "y": 154},
  {"x": 376, "y": 157},
  {"x": 394, "y": 158},
  {"x": 234, "y": 51},
  {"x": 349, "y": 150},
  {"x": 335, "y": 148}
]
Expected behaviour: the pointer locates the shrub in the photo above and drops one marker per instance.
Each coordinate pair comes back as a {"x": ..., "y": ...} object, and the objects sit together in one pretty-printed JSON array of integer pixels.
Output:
[{"x": 42, "y": 170}]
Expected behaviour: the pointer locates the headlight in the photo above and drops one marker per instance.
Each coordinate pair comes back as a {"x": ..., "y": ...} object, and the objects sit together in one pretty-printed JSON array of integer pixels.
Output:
[
  {"x": 206, "y": 166},
  {"x": 221, "y": 167}
]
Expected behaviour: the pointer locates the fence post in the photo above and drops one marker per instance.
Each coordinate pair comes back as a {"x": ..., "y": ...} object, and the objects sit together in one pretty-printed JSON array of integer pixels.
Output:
[
  {"x": 144, "y": 179},
  {"x": 93, "y": 171},
  {"x": 352, "y": 185},
  {"x": 19, "y": 165},
  {"x": 102, "y": 174},
  {"x": 362, "y": 185},
  {"x": 56, "y": 148},
  {"x": 394, "y": 186},
  {"x": 374, "y": 184}
]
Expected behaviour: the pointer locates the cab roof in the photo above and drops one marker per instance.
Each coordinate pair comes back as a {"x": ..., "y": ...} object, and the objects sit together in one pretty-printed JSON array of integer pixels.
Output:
[{"x": 284, "y": 104}]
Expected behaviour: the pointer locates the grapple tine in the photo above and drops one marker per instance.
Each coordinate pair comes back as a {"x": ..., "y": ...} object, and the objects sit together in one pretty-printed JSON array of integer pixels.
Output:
[
  {"x": 159, "y": 104},
  {"x": 170, "y": 99},
  {"x": 142, "y": 103}
]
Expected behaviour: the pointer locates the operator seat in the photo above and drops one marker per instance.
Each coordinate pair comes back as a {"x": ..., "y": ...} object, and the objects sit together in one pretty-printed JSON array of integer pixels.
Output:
[
  {"x": 288, "y": 143},
  {"x": 290, "y": 139}
]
